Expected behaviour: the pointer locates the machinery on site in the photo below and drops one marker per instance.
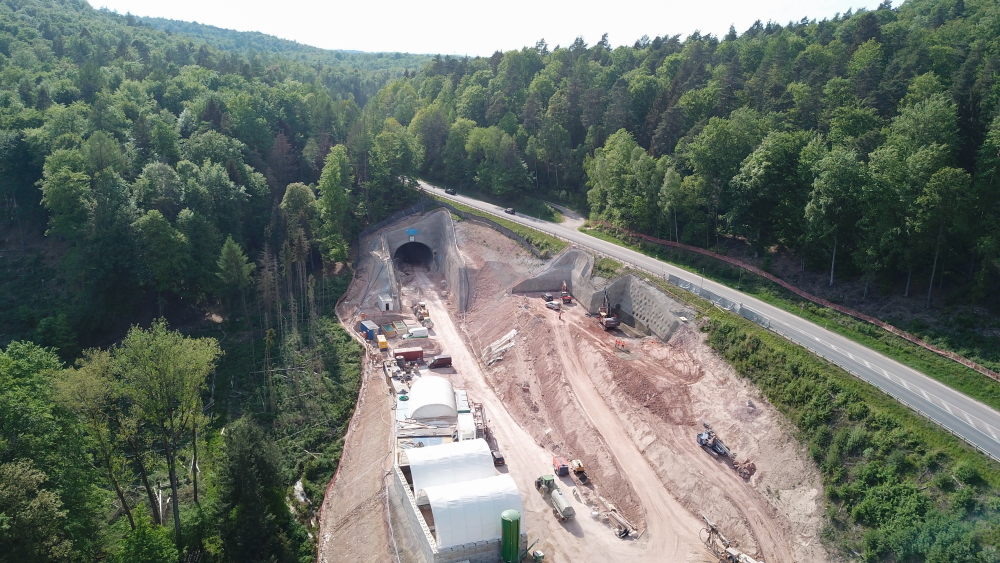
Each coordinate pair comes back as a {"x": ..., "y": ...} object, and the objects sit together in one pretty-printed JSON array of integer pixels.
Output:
[
  {"x": 716, "y": 447},
  {"x": 423, "y": 315},
  {"x": 566, "y": 297},
  {"x": 579, "y": 470},
  {"x": 561, "y": 508},
  {"x": 605, "y": 317},
  {"x": 722, "y": 547},
  {"x": 559, "y": 466},
  {"x": 708, "y": 439}
]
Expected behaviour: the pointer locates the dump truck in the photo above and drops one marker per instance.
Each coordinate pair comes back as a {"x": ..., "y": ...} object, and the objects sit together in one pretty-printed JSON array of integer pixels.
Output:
[
  {"x": 579, "y": 470},
  {"x": 605, "y": 317},
  {"x": 559, "y": 466},
  {"x": 709, "y": 440},
  {"x": 561, "y": 508},
  {"x": 566, "y": 297}
]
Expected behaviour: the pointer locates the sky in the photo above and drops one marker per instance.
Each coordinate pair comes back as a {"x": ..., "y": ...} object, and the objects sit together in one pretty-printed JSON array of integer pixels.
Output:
[{"x": 464, "y": 27}]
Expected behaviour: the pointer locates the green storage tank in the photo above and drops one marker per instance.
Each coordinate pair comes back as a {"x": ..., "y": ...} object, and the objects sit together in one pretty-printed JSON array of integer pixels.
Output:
[{"x": 510, "y": 538}]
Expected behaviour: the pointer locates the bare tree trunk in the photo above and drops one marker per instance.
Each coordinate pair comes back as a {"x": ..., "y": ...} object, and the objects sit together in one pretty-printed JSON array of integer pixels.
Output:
[
  {"x": 909, "y": 276},
  {"x": 867, "y": 281},
  {"x": 833, "y": 263},
  {"x": 172, "y": 473},
  {"x": 144, "y": 476},
  {"x": 937, "y": 252},
  {"x": 194, "y": 464},
  {"x": 118, "y": 490}
]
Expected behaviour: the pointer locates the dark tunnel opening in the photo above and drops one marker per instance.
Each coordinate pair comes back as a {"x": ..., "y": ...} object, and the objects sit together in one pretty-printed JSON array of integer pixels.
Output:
[{"x": 414, "y": 254}]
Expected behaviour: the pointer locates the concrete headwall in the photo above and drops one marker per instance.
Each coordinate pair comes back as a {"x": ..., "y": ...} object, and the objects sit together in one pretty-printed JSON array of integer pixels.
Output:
[
  {"x": 437, "y": 231},
  {"x": 572, "y": 266},
  {"x": 637, "y": 303}
]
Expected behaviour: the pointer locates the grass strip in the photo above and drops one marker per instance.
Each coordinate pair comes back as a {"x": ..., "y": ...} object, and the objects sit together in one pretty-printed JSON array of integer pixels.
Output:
[
  {"x": 898, "y": 487},
  {"x": 547, "y": 244}
]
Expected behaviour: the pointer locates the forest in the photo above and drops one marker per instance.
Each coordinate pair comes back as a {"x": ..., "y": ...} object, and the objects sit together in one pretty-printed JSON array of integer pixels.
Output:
[
  {"x": 866, "y": 143},
  {"x": 178, "y": 204}
]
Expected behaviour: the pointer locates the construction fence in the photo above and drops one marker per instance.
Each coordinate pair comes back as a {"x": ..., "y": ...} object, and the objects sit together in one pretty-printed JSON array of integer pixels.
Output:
[{"x": 720, "y": 301}]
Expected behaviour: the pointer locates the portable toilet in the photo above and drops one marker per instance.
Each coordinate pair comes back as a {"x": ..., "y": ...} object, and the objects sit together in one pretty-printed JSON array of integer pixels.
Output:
[
  {"x": 383, "y": 344},
  {"x": 369, "y": 329}
]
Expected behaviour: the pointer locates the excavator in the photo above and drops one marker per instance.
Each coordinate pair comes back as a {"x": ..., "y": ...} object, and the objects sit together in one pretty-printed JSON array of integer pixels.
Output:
[
  {"x": 566, "y": 297},
  {"x": 605, "y": 317}
]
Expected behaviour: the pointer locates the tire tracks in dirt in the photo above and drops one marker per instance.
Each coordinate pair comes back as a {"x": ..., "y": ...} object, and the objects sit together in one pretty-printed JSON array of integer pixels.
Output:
[{"x": 666, "y": 520}]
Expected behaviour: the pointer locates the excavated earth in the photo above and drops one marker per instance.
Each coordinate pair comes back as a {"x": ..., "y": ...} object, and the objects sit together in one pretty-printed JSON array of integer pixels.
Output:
[{"x": 631, "y": 415}]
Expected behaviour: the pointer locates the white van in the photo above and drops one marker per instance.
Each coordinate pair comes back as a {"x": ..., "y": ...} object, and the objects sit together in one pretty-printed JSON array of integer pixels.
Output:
[{"x": 417, "y": 332}]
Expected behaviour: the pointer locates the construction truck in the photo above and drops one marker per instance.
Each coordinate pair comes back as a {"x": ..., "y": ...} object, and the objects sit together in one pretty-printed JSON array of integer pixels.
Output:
[
  {"x": 423, "y": 315},
  {"x": 721, "y": 547},
  {"x": 566, "y": 297},
  {"x": 579, "y": 470},
  {"x": 561, "y": 508},
  {"x": 605, "y": 317},
  {"x": 708, "y": 439}
]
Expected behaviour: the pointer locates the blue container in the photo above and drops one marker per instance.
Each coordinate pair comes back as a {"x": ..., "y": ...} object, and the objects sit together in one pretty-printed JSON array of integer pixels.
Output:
[{"x": 369, "y": 329}]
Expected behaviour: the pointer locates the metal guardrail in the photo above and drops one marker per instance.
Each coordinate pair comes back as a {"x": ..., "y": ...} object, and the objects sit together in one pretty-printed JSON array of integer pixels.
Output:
[{"x": 818, "y": 300}]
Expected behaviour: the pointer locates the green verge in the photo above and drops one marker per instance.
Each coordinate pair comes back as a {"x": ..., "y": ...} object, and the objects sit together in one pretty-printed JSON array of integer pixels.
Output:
[
  {"x": 543, "y": 242},
  {"x": 952, "y": 374},
  {"x": 898, "y": 487},
  {"x": 606, "y": 268}
]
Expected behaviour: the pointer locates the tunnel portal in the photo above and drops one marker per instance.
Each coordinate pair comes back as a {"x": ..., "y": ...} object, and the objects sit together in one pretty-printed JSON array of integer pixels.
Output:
[{"x": 414, "y": 254}]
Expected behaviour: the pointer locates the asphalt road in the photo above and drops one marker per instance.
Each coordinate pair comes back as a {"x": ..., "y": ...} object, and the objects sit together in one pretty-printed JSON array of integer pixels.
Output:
[{"x": 963, "y": 416}]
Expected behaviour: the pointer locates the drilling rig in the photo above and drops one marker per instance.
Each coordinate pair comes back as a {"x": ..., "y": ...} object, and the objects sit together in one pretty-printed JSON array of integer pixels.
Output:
[
  {"x": 605, "y": 318},
  {"x": 722, "y": 548},
  {"x": 566, "y": 297}
]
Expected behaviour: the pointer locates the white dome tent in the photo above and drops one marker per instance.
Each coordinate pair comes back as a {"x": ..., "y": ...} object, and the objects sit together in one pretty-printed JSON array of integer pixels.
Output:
[
  {"x": 469, "y": 511},
  {"x": 432, "y": 397},
  {"x": 450, "y": 463}
]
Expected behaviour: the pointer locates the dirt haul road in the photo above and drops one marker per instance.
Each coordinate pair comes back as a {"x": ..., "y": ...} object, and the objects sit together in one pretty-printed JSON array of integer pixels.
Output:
[
  {"x": 582, "y": 347},
  {"x": 672, "y": 532},
  {"x": 658, "y": 394}
]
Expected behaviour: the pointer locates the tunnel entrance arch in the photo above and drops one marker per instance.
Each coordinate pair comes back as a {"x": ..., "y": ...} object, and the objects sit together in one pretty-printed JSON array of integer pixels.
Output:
[{"x": 414, "y": 254}]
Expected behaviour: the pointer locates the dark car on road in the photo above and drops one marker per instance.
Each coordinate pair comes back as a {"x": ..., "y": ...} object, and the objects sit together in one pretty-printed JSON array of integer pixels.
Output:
[
  {"x": 509, "y": 211},
  {"x": 449, "y": 191}
]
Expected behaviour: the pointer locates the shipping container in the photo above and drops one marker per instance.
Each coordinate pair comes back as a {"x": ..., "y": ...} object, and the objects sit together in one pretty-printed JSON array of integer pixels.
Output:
[
  {"x": 369, "y": 329},
  {"x": 383, "y": 344},
  {"x": 409, "y": 354}
]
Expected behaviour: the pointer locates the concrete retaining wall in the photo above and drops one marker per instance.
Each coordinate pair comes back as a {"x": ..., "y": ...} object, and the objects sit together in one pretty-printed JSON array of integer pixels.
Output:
[
  {"x": 572, "y": 266},
  {"x": 636, "y": 302},
  {"x": 643, "y": 306},
  {"x": 413, "y": 538}
]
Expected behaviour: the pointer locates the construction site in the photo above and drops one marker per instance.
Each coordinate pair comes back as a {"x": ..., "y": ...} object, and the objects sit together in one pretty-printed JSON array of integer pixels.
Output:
[{"x": 520, "y": 409}]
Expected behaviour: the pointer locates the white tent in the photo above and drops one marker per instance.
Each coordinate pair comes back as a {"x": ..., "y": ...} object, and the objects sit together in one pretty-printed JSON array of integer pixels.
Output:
[
  {"x": 450, "y": 463},
  {"x": 470, "y": 511},
  {"x": 432, "y": 397}
]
